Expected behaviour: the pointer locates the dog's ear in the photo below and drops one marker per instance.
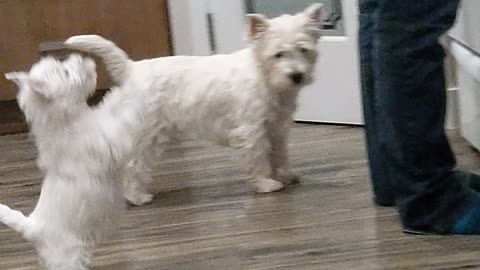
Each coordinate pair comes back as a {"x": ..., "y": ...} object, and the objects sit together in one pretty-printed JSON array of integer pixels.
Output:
[
  {"x": 314, "y": 13},
  {"x": 257, "y": 25},
  {"x": 21, "y": 79}
]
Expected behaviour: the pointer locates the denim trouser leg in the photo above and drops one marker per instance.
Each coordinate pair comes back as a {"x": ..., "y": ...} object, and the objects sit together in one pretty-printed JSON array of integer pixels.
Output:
[
  {"x": 382, "y": 188},
  {"x": 410, "y": 105}
]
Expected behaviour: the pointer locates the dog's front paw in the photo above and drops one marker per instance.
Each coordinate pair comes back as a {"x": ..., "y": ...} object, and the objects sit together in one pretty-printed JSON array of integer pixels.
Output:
[
  {"x": 267, "y": 185},
  {"x": 290, "y": 178},
  {"x": 140, "y": 199}
]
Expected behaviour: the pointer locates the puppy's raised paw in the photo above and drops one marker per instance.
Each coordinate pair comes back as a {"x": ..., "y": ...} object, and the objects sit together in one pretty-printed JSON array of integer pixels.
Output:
[
  {"x": 140, "y": 199},
  {"x": 267, "y": 185}
]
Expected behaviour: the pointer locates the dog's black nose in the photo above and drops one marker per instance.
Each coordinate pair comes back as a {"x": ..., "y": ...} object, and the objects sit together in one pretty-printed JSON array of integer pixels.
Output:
[{"x": 296, "y": 77}]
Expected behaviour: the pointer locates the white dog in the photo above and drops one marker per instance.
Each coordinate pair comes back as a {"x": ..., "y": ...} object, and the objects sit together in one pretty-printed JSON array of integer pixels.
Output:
[
  {"x": 83, "y": 153},
  {"x": 243, "y": 100}
]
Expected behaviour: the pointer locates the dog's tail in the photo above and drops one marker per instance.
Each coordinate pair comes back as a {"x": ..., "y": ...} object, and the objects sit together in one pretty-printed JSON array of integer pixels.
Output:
[
  {"x": 15, "y": 220},
  {"x": 116, "y": 60}
]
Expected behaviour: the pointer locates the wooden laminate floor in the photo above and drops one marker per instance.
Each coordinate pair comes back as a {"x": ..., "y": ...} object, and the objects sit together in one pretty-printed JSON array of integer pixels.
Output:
[{"x": 206, "y": 217}]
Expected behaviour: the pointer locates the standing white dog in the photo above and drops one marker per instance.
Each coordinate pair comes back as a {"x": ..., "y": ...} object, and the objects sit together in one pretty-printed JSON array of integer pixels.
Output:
[
  {"x": 83, "y": 153},
  {"x": 244, "y": 100}
]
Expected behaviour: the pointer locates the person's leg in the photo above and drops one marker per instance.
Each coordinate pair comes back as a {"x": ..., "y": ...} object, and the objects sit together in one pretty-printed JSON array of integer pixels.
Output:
[
  {"x": 382, "y": 189},
  {"x": 409, "y": 77}
]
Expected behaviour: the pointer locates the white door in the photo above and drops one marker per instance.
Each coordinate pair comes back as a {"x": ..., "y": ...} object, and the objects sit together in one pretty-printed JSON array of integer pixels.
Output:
[{"x": 203, "y": 27}]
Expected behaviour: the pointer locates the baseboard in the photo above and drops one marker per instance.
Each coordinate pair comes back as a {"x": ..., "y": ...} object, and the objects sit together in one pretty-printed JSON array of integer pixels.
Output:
[{"x": 11, "y": 118}]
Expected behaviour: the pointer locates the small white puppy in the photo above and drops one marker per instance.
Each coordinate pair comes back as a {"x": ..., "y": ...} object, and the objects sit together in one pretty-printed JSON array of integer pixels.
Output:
[
  {"x": 83, "y": 153},
  {"x": 243, "y": 100}
]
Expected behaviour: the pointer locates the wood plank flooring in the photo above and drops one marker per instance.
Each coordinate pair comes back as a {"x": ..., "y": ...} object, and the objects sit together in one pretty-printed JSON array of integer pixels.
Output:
[{"x": 206, "y": 217}]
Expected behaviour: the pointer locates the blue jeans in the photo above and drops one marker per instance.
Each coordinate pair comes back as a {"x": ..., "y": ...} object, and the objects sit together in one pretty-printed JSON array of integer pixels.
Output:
[{"x": 404, "y": 99}]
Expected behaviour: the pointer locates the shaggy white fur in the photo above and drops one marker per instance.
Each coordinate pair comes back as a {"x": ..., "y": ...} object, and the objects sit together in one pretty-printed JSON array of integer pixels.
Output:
[
  {"x": 83, "y": 153},
  {"x": 243, "y": 100}
]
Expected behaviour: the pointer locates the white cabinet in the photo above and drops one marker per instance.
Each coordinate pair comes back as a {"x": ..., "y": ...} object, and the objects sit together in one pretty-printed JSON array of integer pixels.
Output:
[
  {"x": 467, "y": 27},
  {"x": 203, "y": 27},
  {"x": 467, "y": 32}
]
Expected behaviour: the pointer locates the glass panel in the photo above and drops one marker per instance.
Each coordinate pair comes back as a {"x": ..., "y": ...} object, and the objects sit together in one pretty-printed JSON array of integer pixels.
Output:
[{"x": 332, "y": 25}]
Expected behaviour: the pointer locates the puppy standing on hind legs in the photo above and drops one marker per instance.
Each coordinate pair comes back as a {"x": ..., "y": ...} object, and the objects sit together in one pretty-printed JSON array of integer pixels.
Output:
[
  {"x": 83, "y": 153},
  {"x": 244, "y": 100}
]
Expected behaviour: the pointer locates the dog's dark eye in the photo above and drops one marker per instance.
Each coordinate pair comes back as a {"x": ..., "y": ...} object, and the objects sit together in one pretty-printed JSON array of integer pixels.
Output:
[
  {"x": 304, "y": 50},
  {"x": 279, "y": 55}
]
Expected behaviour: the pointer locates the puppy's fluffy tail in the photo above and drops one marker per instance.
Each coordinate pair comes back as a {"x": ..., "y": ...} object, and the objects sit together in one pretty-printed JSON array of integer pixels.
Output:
[
  {"x": 116, "y": 60},
  {"x": 14, "y": 219}
]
